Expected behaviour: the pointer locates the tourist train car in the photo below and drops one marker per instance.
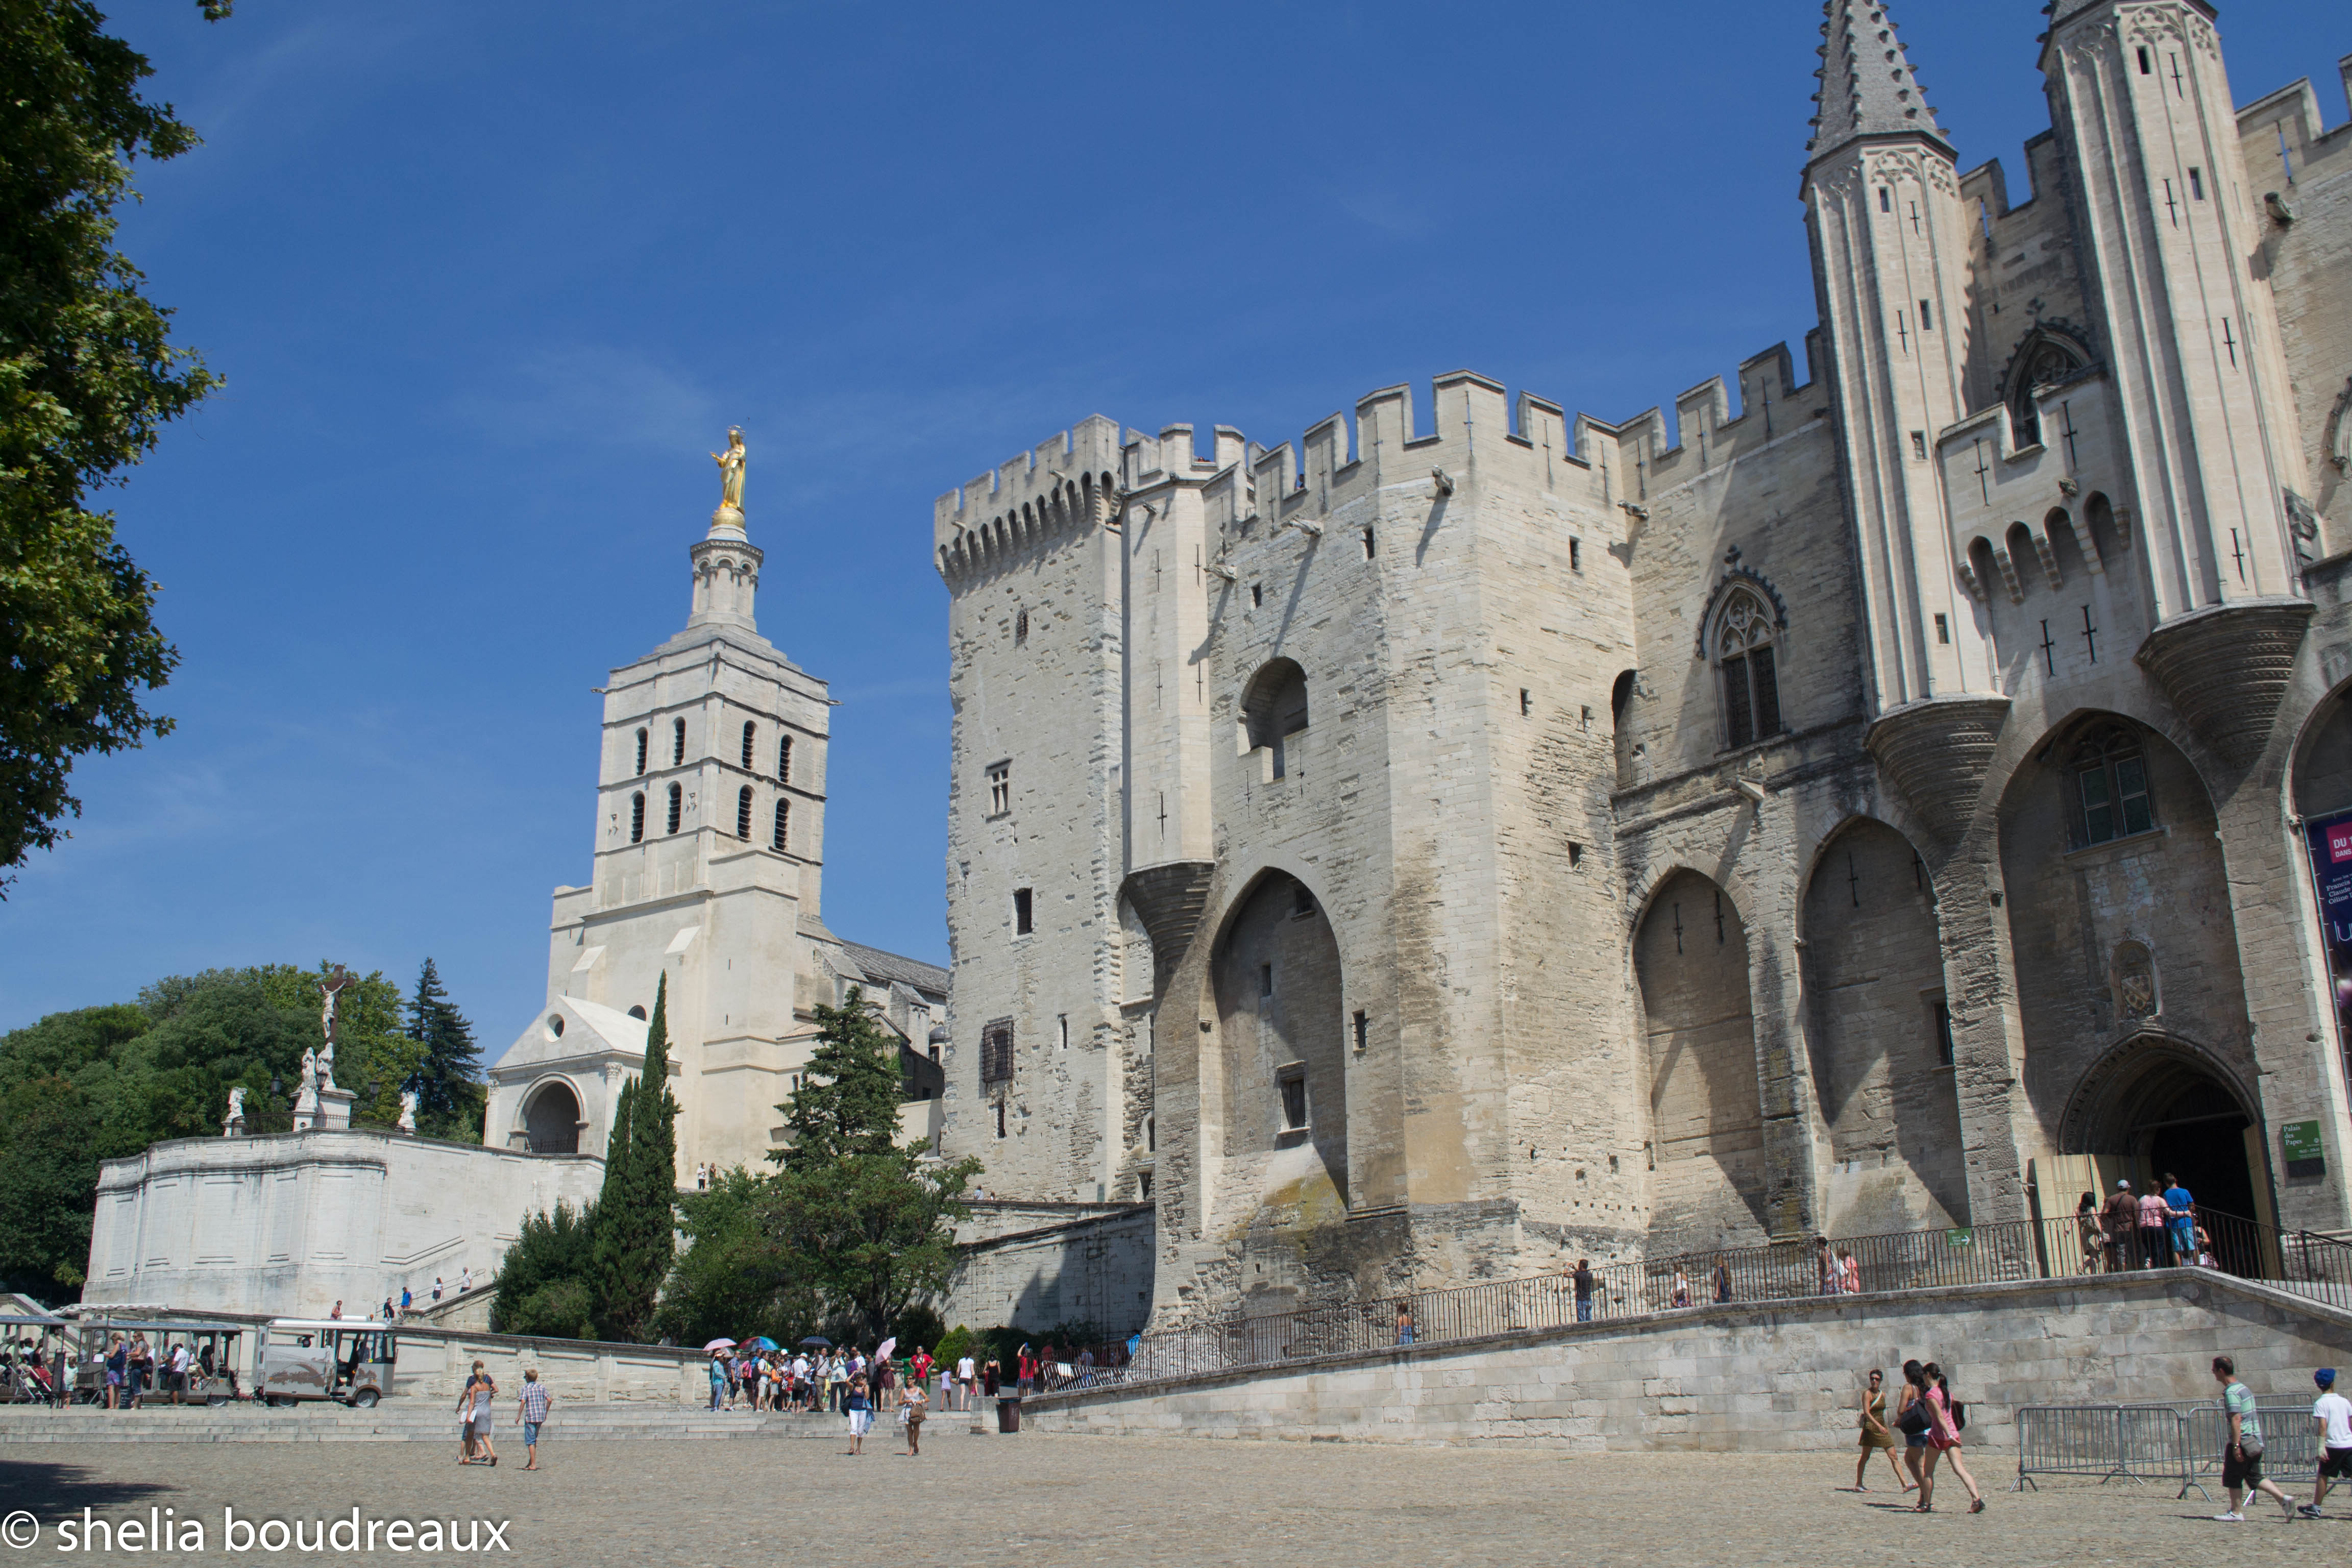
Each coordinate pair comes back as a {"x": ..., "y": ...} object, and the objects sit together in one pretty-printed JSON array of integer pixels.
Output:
[{"x": 326, "y": 1358}]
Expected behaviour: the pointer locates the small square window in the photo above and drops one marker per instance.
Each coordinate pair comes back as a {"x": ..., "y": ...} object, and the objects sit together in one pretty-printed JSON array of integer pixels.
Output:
[
  {"x": 1020, "y": 911},
  {"x": 1302, "y": 901},
  {"x": 1575, "y": 856}
]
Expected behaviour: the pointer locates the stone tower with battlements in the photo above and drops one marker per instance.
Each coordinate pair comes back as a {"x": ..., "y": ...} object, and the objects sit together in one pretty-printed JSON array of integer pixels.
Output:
[{"x": 1893, "y": 797}]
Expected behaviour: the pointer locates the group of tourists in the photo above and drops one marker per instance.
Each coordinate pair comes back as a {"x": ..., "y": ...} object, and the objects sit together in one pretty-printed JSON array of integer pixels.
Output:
[
  {"x": 1928, "y": 1421},
  {"x": 844, "y": 1381},
  {"x": 393, "y": 1311},
  {"x": 132, "y": 1367},
  {"x": 2241, "y": 1455},
  {"x": 2154, "y": 1229}
]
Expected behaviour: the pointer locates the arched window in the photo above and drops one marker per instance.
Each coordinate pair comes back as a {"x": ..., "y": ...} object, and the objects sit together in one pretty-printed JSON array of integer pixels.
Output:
[
  {"x": 1275, "y": 714},
  {"x": 676, "y": 806},
  {"x": 1744, "y": 653},
  {"x": 641, "y": 753},
  {"x": 751, "y": 735},
  {"x": 2111, "y": 790},
  {"x": 784, "y": 760},
  {"x": 637, "y": 817},
  {"x": 2041, "y": 363},
  {"x": 744, "y": 813},
  {"x": 677, "y": 742},
  {"x": 783, "y": 839}
]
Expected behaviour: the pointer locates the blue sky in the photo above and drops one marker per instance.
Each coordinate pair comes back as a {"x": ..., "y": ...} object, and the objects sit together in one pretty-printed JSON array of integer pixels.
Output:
[{"x": 488, "y": 280}]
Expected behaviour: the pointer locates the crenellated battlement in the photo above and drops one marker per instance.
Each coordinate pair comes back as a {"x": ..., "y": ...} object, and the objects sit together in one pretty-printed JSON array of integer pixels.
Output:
[
  {"x": 1644, "y": 455},
  {"x": 1065, "y": 483}
]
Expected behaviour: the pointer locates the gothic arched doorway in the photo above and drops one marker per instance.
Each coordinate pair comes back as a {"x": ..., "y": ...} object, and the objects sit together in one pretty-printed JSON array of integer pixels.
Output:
[{"x": 2157, "y": 1107}]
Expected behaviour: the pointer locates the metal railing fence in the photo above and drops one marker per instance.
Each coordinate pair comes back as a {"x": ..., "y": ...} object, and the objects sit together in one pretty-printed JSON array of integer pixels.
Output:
[{"x": 2305, "y": 1262}]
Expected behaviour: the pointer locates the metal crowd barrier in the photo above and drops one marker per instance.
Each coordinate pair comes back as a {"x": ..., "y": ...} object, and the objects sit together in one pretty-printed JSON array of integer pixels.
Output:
[{"x": 2139, "y": 1442}]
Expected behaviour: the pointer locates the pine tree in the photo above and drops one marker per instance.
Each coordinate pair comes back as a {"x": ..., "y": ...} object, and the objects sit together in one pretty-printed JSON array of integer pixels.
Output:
[
  {"x": 847, "y": 1102},
  {"x": 636, "y": 1217},
  {"x": 448, "y": 1080}
]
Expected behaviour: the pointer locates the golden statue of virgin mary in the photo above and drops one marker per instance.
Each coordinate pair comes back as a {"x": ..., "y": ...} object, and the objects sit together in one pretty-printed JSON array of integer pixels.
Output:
[{"x": 730, "y": 471}]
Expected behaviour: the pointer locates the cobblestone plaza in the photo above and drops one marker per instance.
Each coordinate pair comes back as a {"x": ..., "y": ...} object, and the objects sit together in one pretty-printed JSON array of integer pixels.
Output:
[{"x": 1041, "y": 1501}]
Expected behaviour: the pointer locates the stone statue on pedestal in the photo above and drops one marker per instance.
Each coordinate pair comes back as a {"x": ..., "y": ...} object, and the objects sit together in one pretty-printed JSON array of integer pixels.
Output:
[
  {"x": 305, "y": 1093},
  {"x": 234, "y": 1127},
  {"x": 408, "y": 1110}
]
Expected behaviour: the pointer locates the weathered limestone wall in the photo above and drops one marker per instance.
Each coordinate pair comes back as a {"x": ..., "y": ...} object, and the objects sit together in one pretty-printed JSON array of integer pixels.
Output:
[
  {"x": 434, "y": 1365},
  {"x": 289, "y": 1224},
  {"x": 1092, "y": 1268},
  {"x": 1767, "y": 1378},
  {"x": 1035, "y": 624}
]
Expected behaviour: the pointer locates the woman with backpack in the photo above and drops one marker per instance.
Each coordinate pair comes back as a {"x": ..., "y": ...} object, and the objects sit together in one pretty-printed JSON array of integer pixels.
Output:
[
  {"x": 1944, "y": 1419},
  {"x": 1911, "y": 1419}
]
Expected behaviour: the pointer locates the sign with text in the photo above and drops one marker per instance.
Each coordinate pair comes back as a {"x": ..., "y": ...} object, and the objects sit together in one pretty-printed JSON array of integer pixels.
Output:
[{"x": 2329, "y": 839}]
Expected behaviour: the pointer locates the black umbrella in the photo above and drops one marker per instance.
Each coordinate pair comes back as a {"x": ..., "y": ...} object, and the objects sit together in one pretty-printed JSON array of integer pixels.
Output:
[{"x": 816, "y": 1342}]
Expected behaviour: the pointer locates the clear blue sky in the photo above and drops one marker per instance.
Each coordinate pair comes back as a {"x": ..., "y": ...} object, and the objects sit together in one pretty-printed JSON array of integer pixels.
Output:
[{"x": 487, "y": 280}]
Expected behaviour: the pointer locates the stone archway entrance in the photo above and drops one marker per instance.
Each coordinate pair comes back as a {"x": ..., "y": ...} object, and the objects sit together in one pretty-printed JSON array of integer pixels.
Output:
[
  {"x": 551, "y": 1120},
  {"x": 2154, "y": 1107}
]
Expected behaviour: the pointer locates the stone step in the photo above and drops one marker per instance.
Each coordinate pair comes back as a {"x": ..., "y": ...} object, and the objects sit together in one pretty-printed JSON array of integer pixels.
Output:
[{"x": 402, "y": 1422}]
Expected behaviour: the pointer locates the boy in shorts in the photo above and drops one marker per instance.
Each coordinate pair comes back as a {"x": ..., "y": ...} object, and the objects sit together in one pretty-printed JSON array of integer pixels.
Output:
[{"x": 2332, "y": 1414}]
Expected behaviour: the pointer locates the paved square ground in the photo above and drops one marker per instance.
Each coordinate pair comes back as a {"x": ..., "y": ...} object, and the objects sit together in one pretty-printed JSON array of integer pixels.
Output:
[{"x": 1040, "y": 1502}]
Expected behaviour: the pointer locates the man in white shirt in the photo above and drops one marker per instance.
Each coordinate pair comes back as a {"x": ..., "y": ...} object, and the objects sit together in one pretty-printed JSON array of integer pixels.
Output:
[
  {"x": 966, "y": 1375},
  {"x": 179, "y": 1373},
  {"x": 2332, "y": 1413}
]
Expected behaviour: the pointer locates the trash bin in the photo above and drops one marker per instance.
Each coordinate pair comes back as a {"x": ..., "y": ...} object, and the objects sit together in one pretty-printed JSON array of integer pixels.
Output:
[{"x": 1008, "y": 1413}]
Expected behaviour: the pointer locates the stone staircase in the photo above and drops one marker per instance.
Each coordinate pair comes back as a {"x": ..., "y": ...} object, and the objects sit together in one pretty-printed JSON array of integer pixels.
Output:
[{"x": 402, "y": 1420}]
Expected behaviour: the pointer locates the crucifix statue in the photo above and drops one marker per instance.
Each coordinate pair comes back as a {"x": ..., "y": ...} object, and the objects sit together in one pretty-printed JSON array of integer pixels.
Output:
[{"x": 331, "y": 988}]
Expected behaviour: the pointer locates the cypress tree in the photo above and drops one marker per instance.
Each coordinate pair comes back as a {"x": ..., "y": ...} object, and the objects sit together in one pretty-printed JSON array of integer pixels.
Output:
[{"x": 636, "y": 1234}]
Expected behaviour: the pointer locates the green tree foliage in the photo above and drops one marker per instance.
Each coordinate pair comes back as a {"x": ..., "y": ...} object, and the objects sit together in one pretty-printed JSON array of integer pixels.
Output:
[
  {"x": 955, "y": 1344},
  {"x": 868, "y": 1223},
  {"x": 733, "y": 1279},
  {"x": 636, "y": 1214},
  {"x": 88, "y": 378},
  {"x": 445, "y": 1069},
  {"x": 543, "y": 1280},
  {"x": 103, "y": 1082}
]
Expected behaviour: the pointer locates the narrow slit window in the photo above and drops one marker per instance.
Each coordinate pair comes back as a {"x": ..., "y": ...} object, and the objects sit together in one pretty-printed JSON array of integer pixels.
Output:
[
  {"x": 1886, "y": 200},
  {"x": 1062, "y": 1029},
  {"x": 1527, "y": 703},
  {"x": 1000, "y": 1118},
  {"x": 1919, "y": 444},
  {"x": 676, "y": 806},
  {"x": 1266, "y": 979},
  {"x": 1369, "y": 545},
  {"x": 1943, "y": 629},
  {"x": 2197, "y": 184},
  {"x": 1576, "y": 555},
  {"x": 743, "y": 813},
  {"x": 642, "y": 737},
  {"x": 783, "y": 841},
  {"x": 1257, "y": 595},
  {"x": 1575, "y": 856},
  {"x": 2144, "y": 69},
  {"x": 1294, "y": 1100},
  {"x": 784, "y": 760},
  {"x": 676, "y": 741},
  {"x": 1023, "y": 907},
  {"x": 1946, "y": 1054},
  {"x": 637, "y": 817},
  {"x": 1364, "y": 1026},
  {"x": 1927, "y": 317},
  {"x": 1020, "y": 628},
  {"x": 751, "y": 738}
]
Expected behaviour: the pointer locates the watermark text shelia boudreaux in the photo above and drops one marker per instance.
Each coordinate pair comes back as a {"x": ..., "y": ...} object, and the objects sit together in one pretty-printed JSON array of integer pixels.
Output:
[{"x": 165, "y": 1531}]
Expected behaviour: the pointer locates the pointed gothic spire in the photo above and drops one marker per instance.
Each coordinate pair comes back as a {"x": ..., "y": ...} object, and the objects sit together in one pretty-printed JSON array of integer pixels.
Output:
[{"x": 1868, "y": 87}]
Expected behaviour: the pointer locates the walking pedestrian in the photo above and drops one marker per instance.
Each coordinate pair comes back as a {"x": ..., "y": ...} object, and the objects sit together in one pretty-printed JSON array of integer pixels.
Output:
[
  {"x": 2120, "y": 1220},
  {"x": 1025, "y": 1366},
  {"x": 2332, "y": 1414},
  {"x": 530, "y": 1411},
  {"x": 2242, "y": 1460},
  {"x": 1944, "y": 1420},
  {"x": 486, "y": 1390},
  {"x": 466, "y": 1416},
  {"x": 436, "y": 1286},
  {"x": 465, "y": 1280},
  {"x": 1583, "y": 1282},
  {"x": 917, "y": 1404},
  {"x": 1877, "y": 1437},
  {"x": 1911, "y": 1419},
  {"x": 718, "y": 1379},
  {"x": 406, "y": 1298},
  {"x": 1722, "y": 1280},
  {"x": 861, "y": 1414},
  {"x": 967, "y": 1377}
]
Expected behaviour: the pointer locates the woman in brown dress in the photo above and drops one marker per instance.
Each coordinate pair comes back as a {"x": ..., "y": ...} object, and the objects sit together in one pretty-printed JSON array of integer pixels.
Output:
[{"x": 1877, "y": 1437}]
